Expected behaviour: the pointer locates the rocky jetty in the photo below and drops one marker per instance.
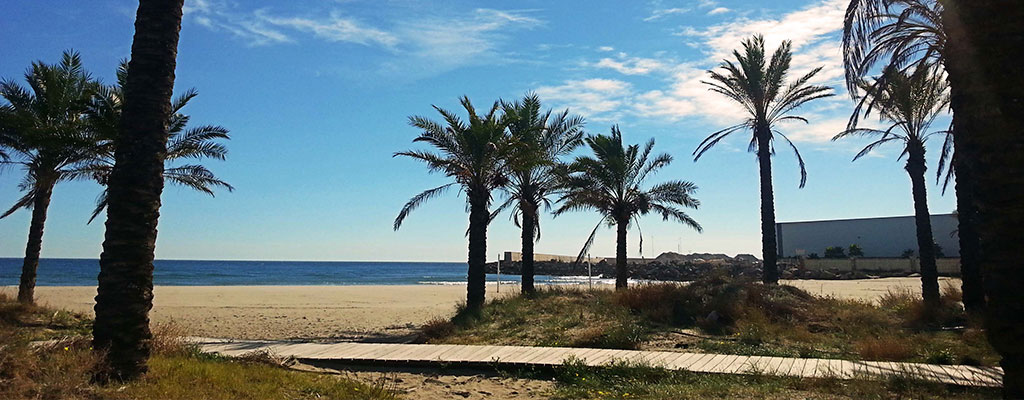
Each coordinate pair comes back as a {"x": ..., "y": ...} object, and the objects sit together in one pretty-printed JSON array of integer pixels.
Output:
[{"x": 688, "y": 267}]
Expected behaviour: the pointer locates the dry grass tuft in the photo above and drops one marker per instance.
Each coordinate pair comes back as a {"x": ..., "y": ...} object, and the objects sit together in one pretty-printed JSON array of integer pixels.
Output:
[{"x": 884, "y": 349}]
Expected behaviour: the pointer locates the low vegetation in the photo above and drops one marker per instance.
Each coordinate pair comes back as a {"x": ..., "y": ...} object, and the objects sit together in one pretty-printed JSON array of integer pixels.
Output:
[
  {"x": 61, "y": 368},
  {"x": 721, "y": 315},
  {"x": 625, "y": 380}
]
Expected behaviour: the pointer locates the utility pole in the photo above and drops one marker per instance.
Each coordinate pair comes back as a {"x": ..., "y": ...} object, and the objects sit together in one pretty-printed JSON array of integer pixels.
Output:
[{"x": 499, "y": 273}]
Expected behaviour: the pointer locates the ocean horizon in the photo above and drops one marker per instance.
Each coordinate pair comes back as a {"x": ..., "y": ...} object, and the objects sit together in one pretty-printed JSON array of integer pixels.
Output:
[{"x": 83, "y": 272}]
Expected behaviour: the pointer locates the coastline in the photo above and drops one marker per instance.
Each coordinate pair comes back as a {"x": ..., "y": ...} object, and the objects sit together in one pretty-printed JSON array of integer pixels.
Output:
[{"x": 352, "y": 312}]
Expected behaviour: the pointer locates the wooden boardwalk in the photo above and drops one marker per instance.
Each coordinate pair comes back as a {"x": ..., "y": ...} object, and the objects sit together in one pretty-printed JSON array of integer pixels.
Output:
[{"x": 553, "y": 356}]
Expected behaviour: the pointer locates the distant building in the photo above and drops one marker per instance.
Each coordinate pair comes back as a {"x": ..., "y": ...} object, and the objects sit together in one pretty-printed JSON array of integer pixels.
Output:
[{"x": 878, "y": 237}]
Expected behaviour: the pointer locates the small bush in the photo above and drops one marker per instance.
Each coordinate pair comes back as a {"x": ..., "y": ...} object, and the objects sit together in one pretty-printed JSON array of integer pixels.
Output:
[
  {"x": 437, "y": 328},
  {"x": 884, "y": 349}
]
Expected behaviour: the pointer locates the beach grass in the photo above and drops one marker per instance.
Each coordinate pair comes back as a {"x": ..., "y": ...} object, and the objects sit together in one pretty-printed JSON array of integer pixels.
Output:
[
  {"x": 62, "y": 368},
  {"x": 725, "y": 316},
  {"x": 632, "y": 380}
]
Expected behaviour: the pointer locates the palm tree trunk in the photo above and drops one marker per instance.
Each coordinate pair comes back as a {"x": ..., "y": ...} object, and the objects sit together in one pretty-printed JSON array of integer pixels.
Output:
[
  {"x": 621, "y": 269},
  {"x": 970, "y": 273},
  {"x": 991, "y": 91},
  {"x": 27, "y": 286},
  {"x": 769, "y": 249},
  {"x": 529, "y": 223},
  {"x": 478, "y": 219},
  {"x": 125, "y": 293},
  {"x": 922, "y": 218}
]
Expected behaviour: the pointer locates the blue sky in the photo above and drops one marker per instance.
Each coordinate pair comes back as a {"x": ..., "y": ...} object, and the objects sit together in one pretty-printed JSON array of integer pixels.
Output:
[{"x": 316, "y": 95}]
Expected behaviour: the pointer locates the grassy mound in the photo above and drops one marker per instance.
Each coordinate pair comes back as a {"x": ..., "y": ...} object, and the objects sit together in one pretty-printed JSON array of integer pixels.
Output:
[
  {"x": 722, "y": 315},
  {"x": 62, "y": 370}
]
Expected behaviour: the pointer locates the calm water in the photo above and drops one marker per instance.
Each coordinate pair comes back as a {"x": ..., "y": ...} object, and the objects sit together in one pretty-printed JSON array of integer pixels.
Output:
[{"x": 83, "y": 272}]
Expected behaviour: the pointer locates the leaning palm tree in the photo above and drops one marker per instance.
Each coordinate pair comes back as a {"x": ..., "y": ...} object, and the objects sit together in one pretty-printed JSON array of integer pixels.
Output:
[
  {"x": 473, "y": 155},
  {"x": 196, "y": 143},
  {"x": 44, "y": 131},
  {"x": 906, "y": 35},
  {"x": 611, "y": 183},
  {"x": 539, "y": 140},
  {"x": 910, "y": 102},
  {"x": 767, "y": 100},
  {"x": 125, "y": 293}
]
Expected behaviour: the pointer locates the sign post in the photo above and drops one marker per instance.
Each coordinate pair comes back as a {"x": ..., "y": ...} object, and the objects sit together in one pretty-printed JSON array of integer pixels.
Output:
[
  {"x": 590, "y": 280},
  {"x": 499, "y": 273}
]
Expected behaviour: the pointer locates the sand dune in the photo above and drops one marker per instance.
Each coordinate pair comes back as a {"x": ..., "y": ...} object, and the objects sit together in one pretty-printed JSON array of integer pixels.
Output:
[{"x": 345, "y": 312}]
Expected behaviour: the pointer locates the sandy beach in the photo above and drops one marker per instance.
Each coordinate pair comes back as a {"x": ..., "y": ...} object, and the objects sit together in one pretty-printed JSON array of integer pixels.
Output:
[{"x": 347, "y": 312}]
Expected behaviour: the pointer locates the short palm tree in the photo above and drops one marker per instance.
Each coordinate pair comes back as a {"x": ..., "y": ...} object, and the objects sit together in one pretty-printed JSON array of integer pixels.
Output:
[
  {"x": 539, "y": 140},
  {"x": 910, "y": 102},
  {"x": 45, "y": 132},
  {"x": 182, "y": 144},
  {"x": 611, "y": 182},
  {"x": 124, "y": 295},
  {"x": 759, "y": 85},
  {"x": 472, "y": 154}
]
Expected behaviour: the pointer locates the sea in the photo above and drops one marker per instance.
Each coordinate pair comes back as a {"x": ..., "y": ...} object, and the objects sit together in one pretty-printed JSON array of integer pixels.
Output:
[{"x": 83, "y": 272}]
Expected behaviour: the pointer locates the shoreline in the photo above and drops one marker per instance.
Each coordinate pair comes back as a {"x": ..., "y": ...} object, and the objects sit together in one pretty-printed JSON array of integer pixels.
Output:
[{"x": 353, "y": 312}]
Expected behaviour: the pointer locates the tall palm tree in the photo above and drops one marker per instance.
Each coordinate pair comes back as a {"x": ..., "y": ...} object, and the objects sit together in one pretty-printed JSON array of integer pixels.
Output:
[
  {"x": 986, "y": 44},
  {"x": 906, "y": 35},
  {"x": 196, "y": 143},
  {"x": 540, "y": 140},
  {"x": 767, "y": 100},
  {"x": 473, "y": 155},
  {"x": 125, "y": 292},
  {"x": 910, "y": 102},
  {"x": 611, "y": 183},
  {"x": 44, "y": 129}
]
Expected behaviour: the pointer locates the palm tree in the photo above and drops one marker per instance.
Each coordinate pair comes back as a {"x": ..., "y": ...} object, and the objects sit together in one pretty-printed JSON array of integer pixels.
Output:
[
  {"x": 540, "y": 140},
  {"x": 45, "y": 131},
  {"x": 125, "y": 292},
  {"x": 986, "y": 44},
  {"x": 911, "y": 34},
  {"x": 196, "y": 143},
  {"x": 762, "y": 91},
  {"x": 910, "y": 102},
  {"x": 611, "y": 183},
  {"x": 472, "y": 154}
]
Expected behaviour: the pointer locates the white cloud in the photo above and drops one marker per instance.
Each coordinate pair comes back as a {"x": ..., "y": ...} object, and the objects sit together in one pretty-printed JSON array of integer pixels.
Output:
[
  {"x": 631, "y": 65},
  {"x": 602, "y": 99},
  {"x": 812, "y": 30},
  {"x": 335, "y": 28},
  {"x": 664, "y": 12},
  {"x": 422, "y": 44},
  {"x": 448, "y": 43},
  {"x": 719, "y": 10},
  {"x": 605, "y": 48}
]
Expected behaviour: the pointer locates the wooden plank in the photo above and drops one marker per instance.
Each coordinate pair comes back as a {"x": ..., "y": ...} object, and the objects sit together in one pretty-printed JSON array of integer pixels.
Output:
[
  {"x": 797, "y": 368},
  {"x": 706, "y": 366},
  {"x": 674, "y": 361},
  {"x": 693, "y": 363},
  {"x": 721, "y": 366},
  {"x": 702, "y": 362},
  {"x": 658, "y": 358},
  {"x": 552, "y": 357}
]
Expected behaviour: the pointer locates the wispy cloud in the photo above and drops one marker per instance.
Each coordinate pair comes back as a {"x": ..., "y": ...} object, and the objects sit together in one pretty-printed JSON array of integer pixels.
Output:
[
  {"x": 681, "y": 93},
  {"x": 718, "y": 10},
  {"x": 335, "y": 28},
  {"x": 630, "y": 65},
  {"x": 599, "y": 99},
  {"x": 664, "y": 12},
  {"x": 430, "y": 43}
]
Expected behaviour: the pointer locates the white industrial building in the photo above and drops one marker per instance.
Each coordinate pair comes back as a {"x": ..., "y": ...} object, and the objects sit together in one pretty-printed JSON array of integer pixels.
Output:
[{"x": 878, "y": 237}]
